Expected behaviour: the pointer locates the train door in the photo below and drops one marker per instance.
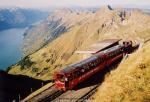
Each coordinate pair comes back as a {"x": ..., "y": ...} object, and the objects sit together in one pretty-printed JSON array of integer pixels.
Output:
[{"x": 67, "y": 81}]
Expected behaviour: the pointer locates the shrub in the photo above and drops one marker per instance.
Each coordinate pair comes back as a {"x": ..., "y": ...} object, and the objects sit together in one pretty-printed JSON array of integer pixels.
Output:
[
  {"x": 48, "y": 60},
  {"x": 34, "y": 70},
  {"x": 26, "y": 62}
]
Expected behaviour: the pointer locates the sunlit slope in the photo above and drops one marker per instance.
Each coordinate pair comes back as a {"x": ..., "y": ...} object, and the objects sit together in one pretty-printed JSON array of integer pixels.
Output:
[
  {"x": 130, "y": 82},
  {"x": 102, "y": 24},
  {"x": 57, "y": 23}
]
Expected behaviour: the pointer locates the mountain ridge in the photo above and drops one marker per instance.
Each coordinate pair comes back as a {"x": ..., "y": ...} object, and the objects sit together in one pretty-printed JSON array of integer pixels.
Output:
[{"x": 127, "y": 25}]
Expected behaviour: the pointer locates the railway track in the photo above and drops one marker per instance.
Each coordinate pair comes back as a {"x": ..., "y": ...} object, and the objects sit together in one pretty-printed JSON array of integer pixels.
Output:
[
  {"x": 88, "y": 95},
  {"x": 52, "y": 96},
  {"x": 47, "y": 95},
  {"x": 77, "y": 95},
  {"x": 84, "y": 91}
]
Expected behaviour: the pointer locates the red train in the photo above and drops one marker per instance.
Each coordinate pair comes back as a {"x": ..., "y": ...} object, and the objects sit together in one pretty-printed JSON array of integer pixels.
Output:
[{"x": 74, "y": 74}]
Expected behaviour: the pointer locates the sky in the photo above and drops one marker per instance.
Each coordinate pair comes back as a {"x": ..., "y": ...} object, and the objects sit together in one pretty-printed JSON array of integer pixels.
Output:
[{"x": 69, "y": 3}]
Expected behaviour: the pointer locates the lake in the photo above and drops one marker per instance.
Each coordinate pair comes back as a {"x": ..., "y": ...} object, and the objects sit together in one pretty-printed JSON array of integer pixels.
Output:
[{"x": 10, "y": 46}]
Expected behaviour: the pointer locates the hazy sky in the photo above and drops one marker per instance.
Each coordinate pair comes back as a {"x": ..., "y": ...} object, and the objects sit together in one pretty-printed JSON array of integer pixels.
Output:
[{"x": 58, "y": 3}]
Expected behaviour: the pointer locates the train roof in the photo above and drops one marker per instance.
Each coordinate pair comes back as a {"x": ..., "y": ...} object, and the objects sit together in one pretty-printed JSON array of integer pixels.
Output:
[
  {"x": 79, "y": 63},
  {"x": 73, "y": 66},
  {"x": 99, "y": 46},
  {"x": 111, "y": 49}
]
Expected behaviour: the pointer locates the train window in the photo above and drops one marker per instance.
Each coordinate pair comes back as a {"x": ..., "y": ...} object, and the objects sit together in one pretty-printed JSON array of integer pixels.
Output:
[
  {"x": 78, "y": 73},
  {"x": 110, "y": 55},
  {"x": 71, "y": 76},
  {"x": 82, "y": 70},
  {"x": 97, "y": 61},
  {"x": 75, "y": 74},
  {"x": 101, "y": 59},
  {"x": 114, "y": 52},
  {"x": 88, "y": 67},
  {"x": 85, "y": 70},
  {"x": 63, "y": 79},
  {"x": 68, "y": 77},
  {"x": 85, "y": 66},
  {"x": 92, "y": 64},
  {"x": 89, "y": 64},
  {"x": 117, "y": 51}
]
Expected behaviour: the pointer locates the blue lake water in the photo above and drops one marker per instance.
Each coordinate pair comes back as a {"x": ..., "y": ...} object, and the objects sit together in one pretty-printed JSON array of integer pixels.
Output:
[{"x": 10, "y": 46}]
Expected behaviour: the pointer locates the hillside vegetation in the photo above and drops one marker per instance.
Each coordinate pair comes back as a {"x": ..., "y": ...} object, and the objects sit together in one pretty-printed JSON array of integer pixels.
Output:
[
  {"x": 94, "y": 26},
  {"x": 130, "y": 82}
]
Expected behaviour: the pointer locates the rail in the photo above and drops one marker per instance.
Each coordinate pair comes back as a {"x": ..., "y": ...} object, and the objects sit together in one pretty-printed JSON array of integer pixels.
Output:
[
  {"x": 31, "y": 97},
  {"x": 88, "y": 94}
]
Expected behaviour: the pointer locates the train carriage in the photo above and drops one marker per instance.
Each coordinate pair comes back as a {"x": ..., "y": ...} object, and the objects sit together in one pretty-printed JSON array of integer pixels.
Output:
[{"x": 74, "y": 74}]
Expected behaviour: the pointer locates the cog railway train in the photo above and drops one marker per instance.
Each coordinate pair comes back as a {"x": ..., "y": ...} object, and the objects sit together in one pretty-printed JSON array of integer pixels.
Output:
[{"x": 74, "y": 74}]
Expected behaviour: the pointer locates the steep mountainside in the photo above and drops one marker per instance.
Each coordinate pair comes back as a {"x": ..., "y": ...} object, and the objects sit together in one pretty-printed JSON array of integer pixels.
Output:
[
  {"x": 94, "y": 26},
  {"x": 130, "y": 82},
  {"x": 57, "y": 23},
  {"x": 17, "y": 17}
]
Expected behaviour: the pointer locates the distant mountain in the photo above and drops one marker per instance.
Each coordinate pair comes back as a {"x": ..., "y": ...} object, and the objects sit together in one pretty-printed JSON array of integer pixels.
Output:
[
  {"x": 57, "y": 23},
  {"x": 17, "y": 17}
]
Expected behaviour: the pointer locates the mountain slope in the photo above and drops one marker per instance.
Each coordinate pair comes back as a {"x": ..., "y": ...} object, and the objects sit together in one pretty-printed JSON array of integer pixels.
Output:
[
  {"x": 130, "y": 81},
  {"x": 57, "y": 23},
  {"x": 105, "y": 23}
]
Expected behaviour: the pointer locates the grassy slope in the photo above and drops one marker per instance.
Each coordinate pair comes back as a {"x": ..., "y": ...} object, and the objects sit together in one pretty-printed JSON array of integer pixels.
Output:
[
  {"x": 60, "y": 52},
  {"x": 130, "y": 82}
]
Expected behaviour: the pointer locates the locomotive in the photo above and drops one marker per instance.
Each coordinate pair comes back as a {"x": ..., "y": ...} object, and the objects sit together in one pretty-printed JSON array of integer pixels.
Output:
[{"x": 76, "y": 73}]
